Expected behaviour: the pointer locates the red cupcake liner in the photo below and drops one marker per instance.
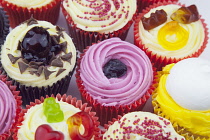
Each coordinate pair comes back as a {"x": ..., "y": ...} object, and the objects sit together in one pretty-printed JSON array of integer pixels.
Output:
[
  {"x": 106, "y": 113},
  {"x": 161, "y": 60},
  {"x": 142, "y": 4},
  {"x": 18, "y": 14},
  {"x": 68, "y": 99},
  {"x": 82, "y": 38},
  {"x": 15, "y": 93}
]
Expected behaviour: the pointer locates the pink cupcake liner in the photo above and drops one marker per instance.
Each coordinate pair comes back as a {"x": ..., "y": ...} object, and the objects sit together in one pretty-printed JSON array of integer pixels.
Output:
[
  {"x": 15, "y": 93},
  {"x": 160, "y": 60},
  {"x": 142, "y": 4},
  {"x": 106, "y": 113},
  {"x": 18, "y": 14},
  {"x": 82, "y": 38},
  {"x": 68, "y": 99}
]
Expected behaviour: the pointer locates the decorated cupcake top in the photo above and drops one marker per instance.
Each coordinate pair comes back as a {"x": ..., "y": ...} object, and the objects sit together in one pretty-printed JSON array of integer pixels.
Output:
[
  {"x": 38, "y": 52},
  {"x": 57, "y": 120},
  {"x": 8, "y": 106},
  {"x": 4, "y": 26},
  {"x": 115, "y": 72},
  {"x": 102, "y": 16},
  {"x": 141, "y": 126},
  {"x": 172, "y": 30},
  {"x": 183, "y": 92},
  {"x": 30, "y": 3}
]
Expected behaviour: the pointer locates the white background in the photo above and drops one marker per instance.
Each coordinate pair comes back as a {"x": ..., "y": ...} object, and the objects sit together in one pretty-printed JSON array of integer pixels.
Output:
[{"x": 204, "y": 10}]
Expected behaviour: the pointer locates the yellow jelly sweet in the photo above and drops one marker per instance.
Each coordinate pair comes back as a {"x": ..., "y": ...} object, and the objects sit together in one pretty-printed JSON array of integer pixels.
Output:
[{"x": 172, "y": 36}]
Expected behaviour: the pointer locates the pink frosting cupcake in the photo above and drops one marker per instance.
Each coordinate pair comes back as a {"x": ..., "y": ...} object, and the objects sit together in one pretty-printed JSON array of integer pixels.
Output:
[{"x": 114, "y": 77}]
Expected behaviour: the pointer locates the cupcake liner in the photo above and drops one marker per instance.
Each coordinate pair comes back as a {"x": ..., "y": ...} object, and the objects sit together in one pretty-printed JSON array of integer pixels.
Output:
[
  {"x": 15, "y": 93},
  {"x": 18, "y": 14},
  {"x": 106, "y": 113},
  {"x": 82, "y": 38},
  {"x": 29, "y": 93},
  {"x": 160, "y": 60},
  {"x": 179, "y": 129},
  {"x": 142, "y": 4},
  {"x": 4, "y": 26},
  {"x": 70, "y": 100}
]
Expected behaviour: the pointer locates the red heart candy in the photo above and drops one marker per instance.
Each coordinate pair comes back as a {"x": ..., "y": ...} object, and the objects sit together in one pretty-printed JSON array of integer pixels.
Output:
[{"x": 45, "y": 132}]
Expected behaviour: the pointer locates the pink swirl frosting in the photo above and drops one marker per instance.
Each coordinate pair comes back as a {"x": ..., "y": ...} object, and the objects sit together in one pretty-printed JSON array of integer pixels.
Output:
[
  {"x": 7, "y": 108},
  {"x": 116, "y": 91}
]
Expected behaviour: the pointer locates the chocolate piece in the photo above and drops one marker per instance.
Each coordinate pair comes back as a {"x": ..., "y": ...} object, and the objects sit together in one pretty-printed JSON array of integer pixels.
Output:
[
  {"x": 19, "y": 46},
  {"x": 25, "y": 61},
  {"x": 59, "y": 29},
  {"x": 31, "y": 21},
  {"x": 12, "y": 58},
  {"x": 22, "y": 66},
  {"x": 52, "y": 58},
  {"x": 67, "y": 57},
  {"x": 186, "y": 15},
  {"x": 57, "y": 62},
  {"x": 114, "y": 68},
  {"x": 35, "y": 63},
  {"x": 32, "y": 72},
  {"x": 47, "y": 73},
  {"x": 39, "y": 72},
  {"x": 60, "y": 71},
  {"x": 55, "y": 39},
  {"x": 64, "y": 46},
  {"x": 155, "y": 19}
]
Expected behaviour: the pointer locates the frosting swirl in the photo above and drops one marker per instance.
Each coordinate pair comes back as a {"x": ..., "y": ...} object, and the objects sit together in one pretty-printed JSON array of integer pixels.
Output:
[
  {"x": 189, "y": 102},
  {"x": 8, "y": 108},
  {"x": 30, "y": 73},
  {"x": 141, "y": 126},
  {"x": 193, "y": 39},
  {"x": 30, "y": 3},
  {"x": 102, "y": 16},
  {"x": 116, "y": 91}
]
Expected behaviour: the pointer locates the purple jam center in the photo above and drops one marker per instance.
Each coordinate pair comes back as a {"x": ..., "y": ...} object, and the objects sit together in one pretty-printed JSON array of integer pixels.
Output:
[
  {"x": 39, "y": 46},
  {"x": 114, "y": 68}
]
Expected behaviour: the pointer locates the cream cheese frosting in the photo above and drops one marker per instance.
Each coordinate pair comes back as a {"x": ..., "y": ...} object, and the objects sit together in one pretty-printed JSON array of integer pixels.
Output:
[
  {"x": 116, "y": 91},
  {"x": 30, "y": 3},
  {"x": 8, "y": 107},
  {"x": 26, "y": 78},
  {"x": 141, "y": 126},
  {"x": 186, "y": 80},
  {"x": 101, "y": 16},
  {"x": 35, "y": 117},
  {"x": 150, "y": 38}
]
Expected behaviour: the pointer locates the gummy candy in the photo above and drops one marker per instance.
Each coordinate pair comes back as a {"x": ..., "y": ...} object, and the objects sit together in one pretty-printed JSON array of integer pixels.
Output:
[
  {"x": 52, "y": 110},
  {"x": 186, "y": 15},
  {"x": 155, "y": 19},
  {"x": 45, "y": 132},
  {"x": 172, "y": 36},
  {"x": 74, "y": 122}
]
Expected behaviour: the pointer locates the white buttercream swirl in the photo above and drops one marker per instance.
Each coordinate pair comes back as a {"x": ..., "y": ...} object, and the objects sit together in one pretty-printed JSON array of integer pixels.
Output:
[
  {"x": 30, "y": 3},
  {"x": 102, "y": 16}
]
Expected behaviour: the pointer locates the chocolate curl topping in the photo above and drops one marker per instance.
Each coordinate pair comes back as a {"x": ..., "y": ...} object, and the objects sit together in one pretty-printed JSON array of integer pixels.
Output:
[
  {"x": 57, "y": 62},
  {"x": 67, "y": 57},
  {"x": 186, "y": 15},
  {"x": 47, "y": 73},
  {"x": 155, "y": 19},
  {"x": 22, "y": 66},
  {"x": 12, "y": 58}
]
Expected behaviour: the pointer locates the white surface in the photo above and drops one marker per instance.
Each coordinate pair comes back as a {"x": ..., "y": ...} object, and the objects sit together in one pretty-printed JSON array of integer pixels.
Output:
[{"x": 203, "y": 8}]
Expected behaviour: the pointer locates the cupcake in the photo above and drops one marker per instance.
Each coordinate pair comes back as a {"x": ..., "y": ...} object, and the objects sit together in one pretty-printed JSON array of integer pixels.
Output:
[
  {"x": 62, "y": 118},
  {"x": 141, "y": 126},
  {"x": 40, "y": 58},
  {"x": 21, "y": 10},
  {"x": 143, "y": 4},
  {"x": 183, "y": 97},
  {"x": 10, "y": 107},
  {"x": 114, "y": 77},
  {"x": 169, "y": 32},
  {"x": 4, "y": 26},
  {"x": 91, "y": 21}
]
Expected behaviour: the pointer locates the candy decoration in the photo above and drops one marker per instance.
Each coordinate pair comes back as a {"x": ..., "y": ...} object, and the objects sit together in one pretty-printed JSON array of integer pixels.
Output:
[
  {"x": 52, "y": 110},
  {"x": 45, "y": 132},
  {"x": 172, "y": 36},
  {"x": 74, "y": 122}
]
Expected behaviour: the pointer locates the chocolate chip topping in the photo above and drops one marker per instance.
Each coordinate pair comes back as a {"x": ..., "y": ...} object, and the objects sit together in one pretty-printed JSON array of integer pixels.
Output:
[
  {"x": 31, "y": 21},
  {"x": 67, "y": 57},
  {"x": 57, "y": 62},
  {"x": 60, "y": 71},
  {"x": 12, "y": 58},
  {"x": 64, "y": 46},
  {"x": 22, "y": 66},
  {"x": 47, "y": 73}
]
